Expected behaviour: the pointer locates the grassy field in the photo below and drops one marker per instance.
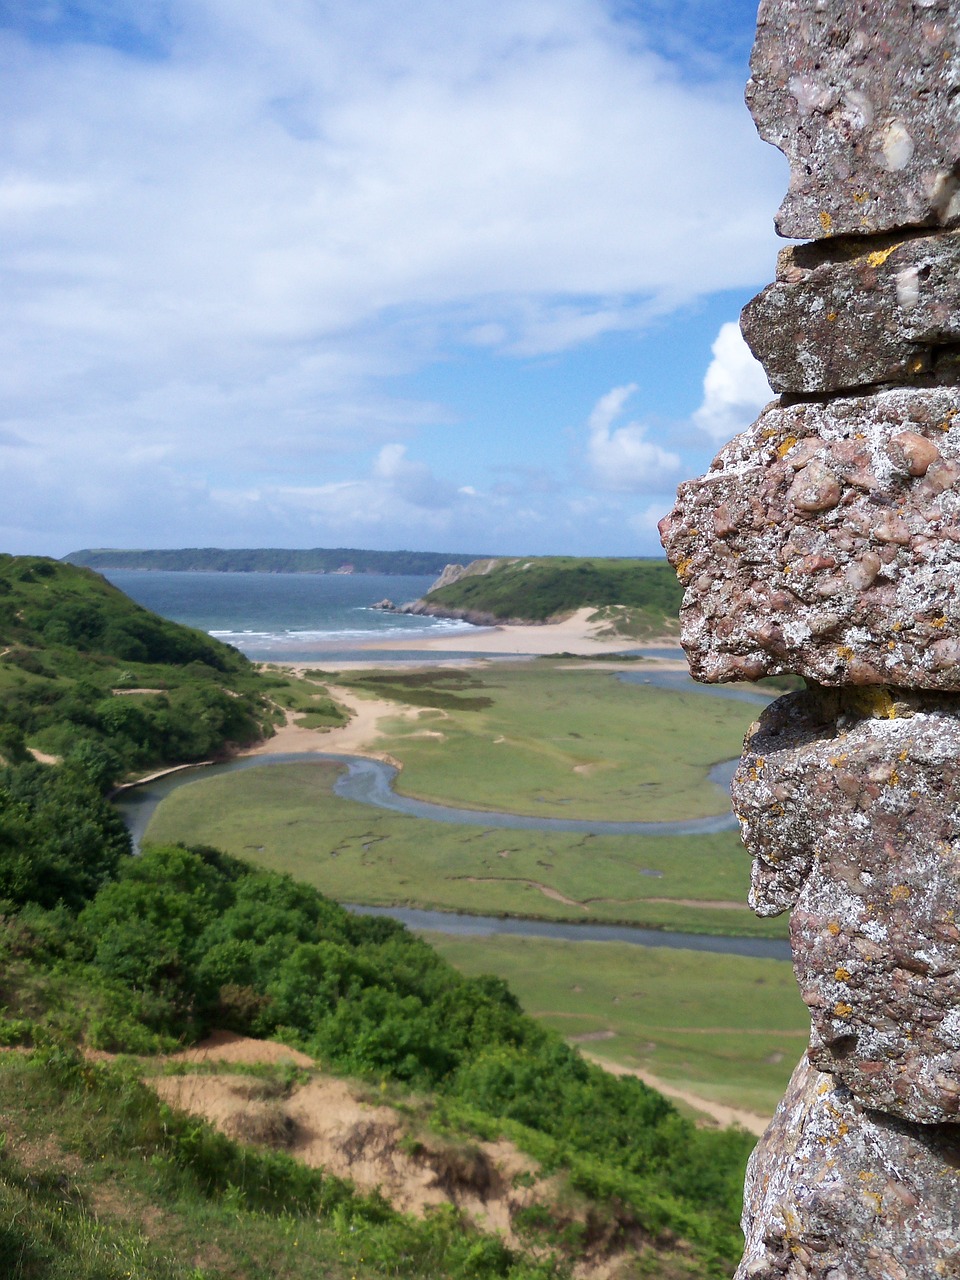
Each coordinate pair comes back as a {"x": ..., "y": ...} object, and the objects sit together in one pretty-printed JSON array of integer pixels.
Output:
[
  {"x": 287, "y": 818},
  {"x": 726, "y": 1028},
  {"x": 536, "y": 738}
]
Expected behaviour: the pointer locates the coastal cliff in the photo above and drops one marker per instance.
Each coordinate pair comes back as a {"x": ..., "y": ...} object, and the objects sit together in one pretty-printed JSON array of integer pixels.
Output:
[{"x": 529, "y": 591}]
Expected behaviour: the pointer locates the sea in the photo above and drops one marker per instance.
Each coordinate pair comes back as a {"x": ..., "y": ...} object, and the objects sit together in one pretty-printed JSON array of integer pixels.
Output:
[{"x": 294, "y": 617}]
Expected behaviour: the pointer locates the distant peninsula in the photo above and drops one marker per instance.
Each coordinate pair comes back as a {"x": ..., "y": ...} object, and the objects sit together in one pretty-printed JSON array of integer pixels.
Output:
[
  {"x": 638, "y": 598},
  {"x": 270, "y": 560}
]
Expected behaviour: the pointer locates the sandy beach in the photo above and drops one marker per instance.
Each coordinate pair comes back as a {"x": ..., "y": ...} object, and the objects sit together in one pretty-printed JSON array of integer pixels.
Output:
[{"x": 574, "y": 635}]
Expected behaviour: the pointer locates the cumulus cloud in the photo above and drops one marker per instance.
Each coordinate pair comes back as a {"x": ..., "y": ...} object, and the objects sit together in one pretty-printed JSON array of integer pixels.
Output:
[
  {"x": 235, "y": 222},
  {"x": 735, "y": 388},
  {"x": 622, "y": 458}
]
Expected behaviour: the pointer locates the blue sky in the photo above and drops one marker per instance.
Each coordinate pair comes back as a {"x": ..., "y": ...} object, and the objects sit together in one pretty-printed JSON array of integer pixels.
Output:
[{"x": 379, "y": 273}]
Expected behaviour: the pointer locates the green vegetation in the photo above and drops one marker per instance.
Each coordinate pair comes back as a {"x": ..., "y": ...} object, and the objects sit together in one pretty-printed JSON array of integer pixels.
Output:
[
  {"x": 183, "y": 940},
  {"x": 538, "y": 589},
  {"x": 286, "y": 818},
  {"x": 99, "y": 950},
  {"x": 303, "y": 695},
  {"x": 726, "y": 1028},
  {"x": 536, "y": 739},
  {"x": 271, "y": 560},
  {"x": 100, "y": 1181},
  {"x": 85, "y": 671}
]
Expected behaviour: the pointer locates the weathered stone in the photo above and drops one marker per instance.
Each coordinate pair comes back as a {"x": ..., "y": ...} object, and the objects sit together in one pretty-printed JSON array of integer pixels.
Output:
[
  {"x": 849, "y": 801},
  {"x": 835, "y": 1192},
  {"x": 860, "y": 99},
  {"x": 825, "y": 540},
  {"x": 848, "y": 313}
]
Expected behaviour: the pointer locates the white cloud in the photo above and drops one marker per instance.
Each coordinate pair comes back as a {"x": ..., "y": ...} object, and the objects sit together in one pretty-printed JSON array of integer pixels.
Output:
[
  {"x": 238, "y": 240},
  {"x": 621, "y": 458},
  {"x": 735, "y": 388}
]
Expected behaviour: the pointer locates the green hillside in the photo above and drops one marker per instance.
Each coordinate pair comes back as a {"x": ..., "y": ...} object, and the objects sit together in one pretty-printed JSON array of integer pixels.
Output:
[
  {"x": 539, "y": 589},
  {"x": 177, "y": 942},
  {"x": 270, "y": 560},
  {"x": 84, "y": 668}
]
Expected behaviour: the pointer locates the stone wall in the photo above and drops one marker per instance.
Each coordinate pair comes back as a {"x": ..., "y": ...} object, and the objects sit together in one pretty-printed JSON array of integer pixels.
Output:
[{"x": 825, "y": 541}]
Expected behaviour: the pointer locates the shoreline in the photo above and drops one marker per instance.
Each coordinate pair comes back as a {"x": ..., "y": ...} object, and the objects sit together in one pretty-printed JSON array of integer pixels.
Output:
[{"x": 574, "y": 637}]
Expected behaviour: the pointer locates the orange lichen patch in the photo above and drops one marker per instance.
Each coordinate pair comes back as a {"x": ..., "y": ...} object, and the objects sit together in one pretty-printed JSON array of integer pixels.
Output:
[
  {"x": 875, "y": 701},
  {"x": 879, "y": 256},
  {"x": 842, "y": 975}
]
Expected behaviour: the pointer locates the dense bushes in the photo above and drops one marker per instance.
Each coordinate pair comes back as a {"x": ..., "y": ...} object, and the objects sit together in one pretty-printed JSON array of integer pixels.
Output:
[
  {"x": 180, "y": 941},
  {"x": 60, "y": 841},
  {"x": 80, "y": 663},
  {"x": 197, "y": 939}
]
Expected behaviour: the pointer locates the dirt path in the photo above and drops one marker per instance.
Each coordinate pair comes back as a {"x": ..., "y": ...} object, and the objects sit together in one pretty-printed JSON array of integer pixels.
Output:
[{"x": 717, "y": 1111}]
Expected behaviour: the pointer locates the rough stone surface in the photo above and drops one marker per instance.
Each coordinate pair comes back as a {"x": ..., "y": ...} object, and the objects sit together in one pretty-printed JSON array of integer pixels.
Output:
[
  {"x": 850, "y": 803},
  {"x": 859, "y": 97},
  {"x": 848, "y": 313},
  {"x": 834, "y": 1192},
  {"x": 825, "y": 540}
]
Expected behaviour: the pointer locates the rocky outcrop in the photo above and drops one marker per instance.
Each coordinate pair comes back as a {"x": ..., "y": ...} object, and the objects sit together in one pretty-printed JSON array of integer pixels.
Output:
[
  {"x": 837, "y": 1192},
  {"x": 857, "y": 311},
  {"x": 424, "y": 608},
  {"x": 825, "y": 541},
  {"x": 454, "y": 572},
  {"x": 861, "y": 99}
]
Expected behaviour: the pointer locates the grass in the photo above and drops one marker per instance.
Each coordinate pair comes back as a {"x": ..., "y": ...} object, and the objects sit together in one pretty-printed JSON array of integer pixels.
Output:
[
  {"x": 99, "y": 1181},
  {"x": 634, "y": 623},
  {"x": 287, "y": 819},
  {"x": 538, "y": 739},
  {"x": 726, "y": 1028},
  {"x": 313, "y": 708}
]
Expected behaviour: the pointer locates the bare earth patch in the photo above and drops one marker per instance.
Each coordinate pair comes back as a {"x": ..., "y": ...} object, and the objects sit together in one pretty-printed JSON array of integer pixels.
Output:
[
  {"x": 358, "y": 735},
  {"x": 328, "y": 1124},
  {"x": 226, "y": 1046}
]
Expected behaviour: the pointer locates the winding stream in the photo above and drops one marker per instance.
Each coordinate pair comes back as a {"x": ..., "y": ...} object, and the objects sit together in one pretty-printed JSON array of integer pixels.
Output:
[{"x": 371, "y": 782}]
